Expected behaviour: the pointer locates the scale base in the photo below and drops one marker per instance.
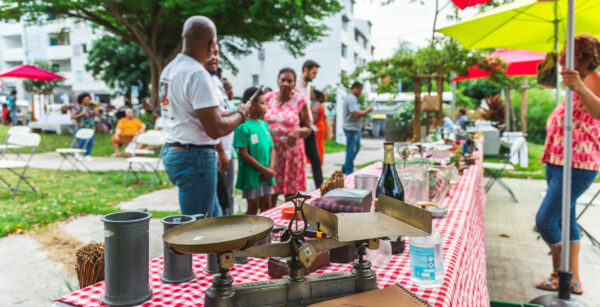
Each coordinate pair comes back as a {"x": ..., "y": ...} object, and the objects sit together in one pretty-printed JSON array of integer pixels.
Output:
[
  {"x": 552, "y": 300},
  {"x": 312, "y": 289}
]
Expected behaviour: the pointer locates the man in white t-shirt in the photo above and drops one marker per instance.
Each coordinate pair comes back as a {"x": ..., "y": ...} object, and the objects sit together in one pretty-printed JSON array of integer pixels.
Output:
[
  {"x": 193, "y": 122},
  {"x": 310, "y": 69}
]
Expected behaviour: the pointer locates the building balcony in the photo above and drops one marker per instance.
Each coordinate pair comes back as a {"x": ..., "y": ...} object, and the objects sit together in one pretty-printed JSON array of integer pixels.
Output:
[
  {"x": 13, "y": 55},
  {"x": 61, "y": 52},
  {"x": 69, "y": 77},
  {"x": 10, "y": 29},
  {"x": 57, "y": 26}
]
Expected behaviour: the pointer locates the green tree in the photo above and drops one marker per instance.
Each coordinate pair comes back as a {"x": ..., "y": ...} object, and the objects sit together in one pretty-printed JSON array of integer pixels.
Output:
[
  {"x": 120, "y": 64},
  {"x": 155, "y": 25},
  {"x": 38, "y": 86}
]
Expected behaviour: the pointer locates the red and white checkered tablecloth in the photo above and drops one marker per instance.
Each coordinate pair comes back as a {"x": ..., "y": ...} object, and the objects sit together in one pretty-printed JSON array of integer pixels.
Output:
[{"x": 463, "y": 232}]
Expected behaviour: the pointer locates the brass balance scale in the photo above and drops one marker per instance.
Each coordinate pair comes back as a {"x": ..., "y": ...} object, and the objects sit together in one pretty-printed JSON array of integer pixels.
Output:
[{"x": 235, "y": 236}]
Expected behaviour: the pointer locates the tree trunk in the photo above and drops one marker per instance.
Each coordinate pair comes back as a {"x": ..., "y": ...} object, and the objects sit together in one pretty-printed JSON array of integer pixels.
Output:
[
  {"x": 524, "y": 88},
  {"x": 155, "y": 71}
]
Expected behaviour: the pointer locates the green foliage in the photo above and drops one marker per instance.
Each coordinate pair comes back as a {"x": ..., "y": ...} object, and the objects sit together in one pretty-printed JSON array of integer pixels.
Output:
[
  {"x": 479, "y": 89},
  {"x": 540, "y": 103},
  {"x": 404, "y": 113},
  {"x": 38, "y": 86},
  {"x": 61, "y": 196},
  {"x": 120, "y": 64},
  {"x": 444, "y": 55},
  {"x": 155, "y": 25}
]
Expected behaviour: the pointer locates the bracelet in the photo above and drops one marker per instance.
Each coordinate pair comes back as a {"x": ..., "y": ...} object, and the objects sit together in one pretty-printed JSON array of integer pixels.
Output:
[{"x": 242, "y": 114}]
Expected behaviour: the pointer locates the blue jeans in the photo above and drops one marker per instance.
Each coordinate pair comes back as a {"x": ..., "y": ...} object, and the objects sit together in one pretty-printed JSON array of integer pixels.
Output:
[
  {"x": 194, "y": 172},
  {"x": 549, "y": 216},
  {"x": 88, "y": 147},
  {"x": 13, "y": 116},
  {"x": 352, "y": 148}
]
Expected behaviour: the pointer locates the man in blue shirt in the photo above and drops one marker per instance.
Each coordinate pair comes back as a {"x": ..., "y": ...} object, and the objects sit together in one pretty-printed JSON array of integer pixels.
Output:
[
  {"x": 462, "y": 117},
  {"x": 12, "y": 107}
]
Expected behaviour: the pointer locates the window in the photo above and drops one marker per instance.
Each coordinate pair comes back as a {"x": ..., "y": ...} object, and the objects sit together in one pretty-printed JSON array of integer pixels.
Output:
[
  {"x": 56, "y": 66},
  {"x": 356, "y": 59},
  {"x": 255, "y": 80},
  {"x": 345, "y": 22},
  {"x": 372, "y": 50},
  {"x": 84, "y": 48},
  {"x": 357, "y": 36},
  {"x": 344, "y": 51},
  {"x": 59, "y": 39}
]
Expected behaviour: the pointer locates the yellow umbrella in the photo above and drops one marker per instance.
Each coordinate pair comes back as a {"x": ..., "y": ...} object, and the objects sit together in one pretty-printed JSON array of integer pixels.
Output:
[{"x": 525, "y": 24}]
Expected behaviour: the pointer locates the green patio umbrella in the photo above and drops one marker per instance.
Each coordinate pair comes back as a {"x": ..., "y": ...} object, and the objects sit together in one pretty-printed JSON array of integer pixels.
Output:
[{"x": 525, "y": 24}]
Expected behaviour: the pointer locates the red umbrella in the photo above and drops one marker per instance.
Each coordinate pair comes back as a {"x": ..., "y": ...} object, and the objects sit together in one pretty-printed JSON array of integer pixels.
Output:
[
  {"x": 520, "y": 63},
  {"x": 30, "y": 72},
  {"x": 462, "y": 4}
]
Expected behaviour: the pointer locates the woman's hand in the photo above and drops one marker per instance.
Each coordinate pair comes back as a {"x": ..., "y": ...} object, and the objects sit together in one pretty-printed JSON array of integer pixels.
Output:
[
  {"x": 292, "y": 138},
  {"x": 572, "y": 79}
]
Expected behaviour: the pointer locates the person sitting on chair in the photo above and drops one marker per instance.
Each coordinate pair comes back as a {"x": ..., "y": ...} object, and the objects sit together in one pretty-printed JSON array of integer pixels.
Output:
[{"x": 127, "y": 129}]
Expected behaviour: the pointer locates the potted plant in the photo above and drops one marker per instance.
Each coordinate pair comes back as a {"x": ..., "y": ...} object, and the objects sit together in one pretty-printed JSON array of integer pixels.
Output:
[{"x": 397, "y": 126}]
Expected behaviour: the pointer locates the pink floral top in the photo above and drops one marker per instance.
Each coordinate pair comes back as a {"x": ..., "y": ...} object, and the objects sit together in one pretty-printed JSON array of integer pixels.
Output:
[
  {"x": 586, "y": 130},
  {"x": 290, "y": 171}
]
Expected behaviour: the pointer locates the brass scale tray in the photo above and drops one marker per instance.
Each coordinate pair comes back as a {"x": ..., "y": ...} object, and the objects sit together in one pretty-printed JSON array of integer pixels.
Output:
[{"x": 238, "y": 234}]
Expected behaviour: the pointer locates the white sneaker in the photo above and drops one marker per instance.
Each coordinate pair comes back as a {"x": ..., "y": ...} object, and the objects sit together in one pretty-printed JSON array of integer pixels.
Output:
[
  {"x": 78, "y": 156},
  {"x": 88, "y": 158}
]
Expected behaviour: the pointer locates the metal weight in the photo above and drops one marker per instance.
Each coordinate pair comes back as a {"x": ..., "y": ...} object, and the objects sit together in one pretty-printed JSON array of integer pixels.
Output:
[{"x": 178, "y": 268}]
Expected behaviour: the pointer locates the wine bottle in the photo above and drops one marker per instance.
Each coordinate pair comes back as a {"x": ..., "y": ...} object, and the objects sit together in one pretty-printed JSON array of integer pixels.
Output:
[{"x": 389, "y": 182}]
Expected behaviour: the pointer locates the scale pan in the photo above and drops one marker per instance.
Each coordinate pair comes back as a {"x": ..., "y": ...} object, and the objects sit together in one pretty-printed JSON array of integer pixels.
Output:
[{"x": 219, "y": 234}]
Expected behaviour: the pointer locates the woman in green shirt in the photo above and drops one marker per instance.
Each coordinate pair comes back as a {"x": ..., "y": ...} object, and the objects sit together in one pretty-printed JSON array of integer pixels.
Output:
[{"x": 256, "y": 152}]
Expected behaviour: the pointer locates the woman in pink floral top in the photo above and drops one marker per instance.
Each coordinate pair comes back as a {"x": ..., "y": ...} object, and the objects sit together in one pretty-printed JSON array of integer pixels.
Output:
[
  {"x": 585, "y": 83},
  {"x": 288, "y": 121}
]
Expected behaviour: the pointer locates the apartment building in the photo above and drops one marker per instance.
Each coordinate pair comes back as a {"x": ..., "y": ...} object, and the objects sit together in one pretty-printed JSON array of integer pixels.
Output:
[{"x": 64, "y": 43}]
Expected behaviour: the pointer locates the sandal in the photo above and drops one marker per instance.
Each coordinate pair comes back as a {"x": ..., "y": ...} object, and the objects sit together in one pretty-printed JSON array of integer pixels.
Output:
[
  {"x": 576, "y": 285},
  {"x": 550, "y": 284}
]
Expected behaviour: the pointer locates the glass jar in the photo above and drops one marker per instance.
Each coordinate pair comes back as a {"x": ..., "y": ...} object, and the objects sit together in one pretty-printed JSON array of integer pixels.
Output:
[
  {"x": 414, "y": 177},
  {"x": 438, "y": 185}
]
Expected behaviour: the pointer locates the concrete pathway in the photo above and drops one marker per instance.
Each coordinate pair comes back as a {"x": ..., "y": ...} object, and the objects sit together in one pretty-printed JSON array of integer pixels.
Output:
[
  {"x": 51, "y": 160},
  {"x": 28, "y": 277},
  {"x": 517, "y": 259}
]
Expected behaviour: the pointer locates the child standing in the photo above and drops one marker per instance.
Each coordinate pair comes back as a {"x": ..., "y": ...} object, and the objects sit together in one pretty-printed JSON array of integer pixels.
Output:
[{"x": 256, "y": 156}]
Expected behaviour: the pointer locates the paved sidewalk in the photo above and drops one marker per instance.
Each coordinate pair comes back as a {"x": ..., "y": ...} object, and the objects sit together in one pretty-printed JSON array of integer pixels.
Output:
[
  {"x": 51, "y": 160},
  {"x": 517, "y": 259}
]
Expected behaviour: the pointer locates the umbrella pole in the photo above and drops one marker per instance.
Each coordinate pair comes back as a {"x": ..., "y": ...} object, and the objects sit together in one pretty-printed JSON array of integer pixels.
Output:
[
  {"x": 557, "y": 50},
  {"x": 564, "y": 275}
]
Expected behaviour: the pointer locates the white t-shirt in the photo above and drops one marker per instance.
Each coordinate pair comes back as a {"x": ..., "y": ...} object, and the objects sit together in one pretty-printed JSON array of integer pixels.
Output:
[
  {"x": 303, "y": 88},
  {"x": 227, "y": 140},
  {"x": 186, "y": 86}
]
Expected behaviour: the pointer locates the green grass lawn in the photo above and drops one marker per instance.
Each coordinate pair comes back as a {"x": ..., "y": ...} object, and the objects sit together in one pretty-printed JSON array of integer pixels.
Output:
[
  {"x": 535, "y": 170},
  {"x": 61, "y": 195},
  {"x": 331, "y": 146},
  {"x": 51, "y": 141}
]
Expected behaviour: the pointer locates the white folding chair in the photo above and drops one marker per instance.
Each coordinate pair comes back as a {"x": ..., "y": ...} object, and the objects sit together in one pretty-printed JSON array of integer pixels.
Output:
[
  {"x": 23, "y": 140},
  {"x": 152, "y": 138},
  {"x": 495, "y": 171},
  {"x": 133, "y": 149},
  {"x": 5, "y": 146},
  {"x": 69, "y": 154}
]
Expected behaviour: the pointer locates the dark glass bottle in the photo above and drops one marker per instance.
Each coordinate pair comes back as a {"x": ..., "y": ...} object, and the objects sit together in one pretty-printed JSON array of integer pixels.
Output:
[{"x": 389, "y": 182}]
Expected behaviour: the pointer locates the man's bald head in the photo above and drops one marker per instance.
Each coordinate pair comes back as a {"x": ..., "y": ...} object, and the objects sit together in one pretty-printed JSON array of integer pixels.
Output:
[{"x": 199, "y": 37}]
